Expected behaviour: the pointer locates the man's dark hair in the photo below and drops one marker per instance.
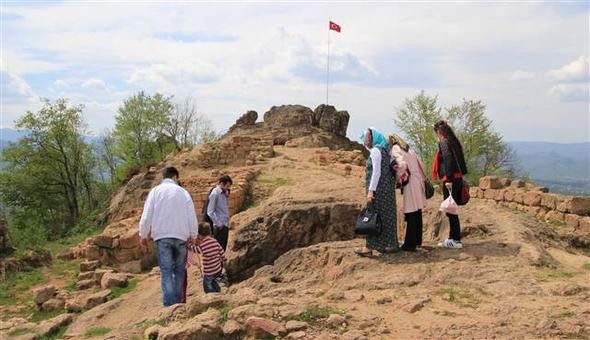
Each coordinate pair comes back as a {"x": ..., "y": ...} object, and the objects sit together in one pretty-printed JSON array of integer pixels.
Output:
[
  {"x": 170, "y": 172},
  {"x": 204, "y": 229},
  {"x": 225, "y": 179}
]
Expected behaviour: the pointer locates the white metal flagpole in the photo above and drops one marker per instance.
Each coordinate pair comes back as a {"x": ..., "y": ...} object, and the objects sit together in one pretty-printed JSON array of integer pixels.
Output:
[{"x": 328, "y": 69}]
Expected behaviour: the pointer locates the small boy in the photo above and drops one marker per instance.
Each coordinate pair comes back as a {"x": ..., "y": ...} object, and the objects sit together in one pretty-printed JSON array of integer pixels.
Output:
[{"x": 213, "y": 258}]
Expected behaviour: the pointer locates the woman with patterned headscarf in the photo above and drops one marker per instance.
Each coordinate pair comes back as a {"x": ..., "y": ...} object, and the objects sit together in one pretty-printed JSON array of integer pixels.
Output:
[{"x": 380, "y": 187}]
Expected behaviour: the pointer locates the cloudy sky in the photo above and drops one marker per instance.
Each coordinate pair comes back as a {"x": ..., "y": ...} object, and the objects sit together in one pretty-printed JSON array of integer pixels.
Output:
[{"x": 527, "y": 61}]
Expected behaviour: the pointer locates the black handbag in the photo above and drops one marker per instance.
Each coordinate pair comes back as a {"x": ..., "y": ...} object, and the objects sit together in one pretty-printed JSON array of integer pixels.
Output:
[
  {"x": 369, "y": 221},
  {"x": 428, "y": 188}
]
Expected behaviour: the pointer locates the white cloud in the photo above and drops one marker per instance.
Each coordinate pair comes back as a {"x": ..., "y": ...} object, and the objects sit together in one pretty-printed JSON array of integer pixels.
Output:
[
  {"x": 577, "y": 70},
  {"x": 61, "y": 84},
  {"x": 570, "y": 92},
  {"x": 522, "y": 75},
  {"x": 164, "y": 75},
  {"x": 94, "y": 84},
  {"x": 15, "y": 88}
]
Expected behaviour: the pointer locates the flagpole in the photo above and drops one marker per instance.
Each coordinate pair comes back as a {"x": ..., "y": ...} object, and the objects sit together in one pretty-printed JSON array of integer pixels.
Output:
[{"x": 328, "y": 69}]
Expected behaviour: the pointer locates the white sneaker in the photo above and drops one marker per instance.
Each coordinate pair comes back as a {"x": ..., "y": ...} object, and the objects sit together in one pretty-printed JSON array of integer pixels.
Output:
[{"x": 452, "y": 244}]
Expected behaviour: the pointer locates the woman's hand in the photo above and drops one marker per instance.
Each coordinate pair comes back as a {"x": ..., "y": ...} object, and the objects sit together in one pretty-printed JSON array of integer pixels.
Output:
[
  {"x": 370, "y": 196},
  {"x": 449, "y": 185}
]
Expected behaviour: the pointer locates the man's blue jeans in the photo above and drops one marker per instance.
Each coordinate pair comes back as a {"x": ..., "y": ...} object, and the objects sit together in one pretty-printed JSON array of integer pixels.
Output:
[{"x": 172, "y": 260}]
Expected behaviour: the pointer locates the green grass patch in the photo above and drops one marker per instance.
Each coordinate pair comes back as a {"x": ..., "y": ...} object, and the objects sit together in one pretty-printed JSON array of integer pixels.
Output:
[
  {"x": 63, "y": 267},
  {"x": 313, "y": 314},
  {"x": 273, "y": 183},
  {"x": 549, "y": 274},
  {"x": 562, "y": 315},
  {"x": 116, "y": 292},
  {"x": 97, "y": 331},
  {"x": 43, "y": 315},
  {"x": 17, "y": 283},
  {"x": 586, "y": 267},
  {"x": 61, "y": 245},
  {"x": 224, "y": 311},
  {"x": 154, "y": 322},
  {"x": 59, "y": 334},
  {"x": 458, "y": 296},
  {"x": 20, "y": 331}
]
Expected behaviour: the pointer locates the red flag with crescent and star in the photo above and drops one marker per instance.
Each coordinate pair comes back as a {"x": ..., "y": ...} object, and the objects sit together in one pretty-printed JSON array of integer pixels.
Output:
[{"x": 334, "y": 27}]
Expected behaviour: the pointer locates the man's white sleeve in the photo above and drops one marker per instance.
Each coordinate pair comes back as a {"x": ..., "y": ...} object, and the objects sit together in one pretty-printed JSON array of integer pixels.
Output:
[{"x": 145, "y": 223}]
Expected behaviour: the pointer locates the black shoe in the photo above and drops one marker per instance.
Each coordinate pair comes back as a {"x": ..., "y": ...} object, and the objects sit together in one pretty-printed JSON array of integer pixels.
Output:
[{"x": 404, "y": 248}]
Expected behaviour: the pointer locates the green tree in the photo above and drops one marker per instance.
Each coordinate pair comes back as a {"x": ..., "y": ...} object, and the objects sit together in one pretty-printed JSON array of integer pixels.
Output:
[
  {"x": 484, "y": 149},
  {"x": 139, "y": 129},
  {"x": 416, "y": 119},
  {"x": 48, "y": 182}
]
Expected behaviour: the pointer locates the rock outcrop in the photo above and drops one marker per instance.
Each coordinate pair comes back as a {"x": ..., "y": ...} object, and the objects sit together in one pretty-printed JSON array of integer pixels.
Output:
[
  {"x": 264, "y": 238},
  {"x": 327, "y": 118}
]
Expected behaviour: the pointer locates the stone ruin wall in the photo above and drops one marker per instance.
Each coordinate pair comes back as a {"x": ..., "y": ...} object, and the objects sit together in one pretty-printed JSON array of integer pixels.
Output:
[
  {"x": 238, "y": 150},
  {"x": 561, "y": 210}
]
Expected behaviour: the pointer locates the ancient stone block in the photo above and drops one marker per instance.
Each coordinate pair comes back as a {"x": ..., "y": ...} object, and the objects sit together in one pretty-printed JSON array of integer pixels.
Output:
[
  {"x": 86, "y": 284},
  {"x": 88, "y": 266},
  {"x": 555, "y": 217},
  {"x": 97, "y": 299},
  {"x": 53, "y": 304},
  {"x": 532, "y": 199},
  {"x": 575, "y": 205},
  {"x": 44, "y": 294},
  {"x": 572, "y": 220},
  {"x": 509, "y": 195},
  {"x": 260, "y": 327},
  {"x": 92, "y": 252},
  {"x": 549, "y": 201},
  {"x": 490, "y": 182},
  {"x": 112, "y": 280},
  {"x": 490, "y": 194},
  {"x": 103, "y": 241},
  {"x": 517, "y": 184},
  {"x": 500, "y": 195}
]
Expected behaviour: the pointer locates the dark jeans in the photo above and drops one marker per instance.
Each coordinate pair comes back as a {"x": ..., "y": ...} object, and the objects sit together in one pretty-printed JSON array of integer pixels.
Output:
[
  {"x": 221, "y": 235},
  {"x": 454, "y": 223},
  {"x": 210, "y": 284},
  {"x": 413, "y": 230},
  {"x": 172, "y": 260}
]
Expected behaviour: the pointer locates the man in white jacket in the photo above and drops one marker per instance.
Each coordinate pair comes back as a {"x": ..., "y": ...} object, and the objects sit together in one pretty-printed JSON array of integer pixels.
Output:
[{"x": 169, "y": 215}]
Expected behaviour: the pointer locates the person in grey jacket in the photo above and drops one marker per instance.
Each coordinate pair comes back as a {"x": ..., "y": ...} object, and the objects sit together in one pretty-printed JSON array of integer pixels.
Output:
[{"x": 218, "y": 210}]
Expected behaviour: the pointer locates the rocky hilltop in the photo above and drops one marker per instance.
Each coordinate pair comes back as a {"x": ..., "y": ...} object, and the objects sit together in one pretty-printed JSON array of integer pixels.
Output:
[{"x": 298, "y": 188}]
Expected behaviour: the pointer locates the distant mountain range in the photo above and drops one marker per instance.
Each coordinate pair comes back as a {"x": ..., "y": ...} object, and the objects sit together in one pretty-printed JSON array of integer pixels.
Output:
[{"x": 564, "y": 168}]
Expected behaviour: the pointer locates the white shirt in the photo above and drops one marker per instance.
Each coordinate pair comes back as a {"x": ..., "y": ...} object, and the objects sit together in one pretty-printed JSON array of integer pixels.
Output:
[
  {"x": 168, "y": 212},
  {"x": 376, "y": 175}
]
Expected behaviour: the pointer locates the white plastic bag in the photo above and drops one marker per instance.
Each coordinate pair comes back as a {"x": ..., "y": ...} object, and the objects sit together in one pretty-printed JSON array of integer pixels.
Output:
[{"x": 449, "y": 205}]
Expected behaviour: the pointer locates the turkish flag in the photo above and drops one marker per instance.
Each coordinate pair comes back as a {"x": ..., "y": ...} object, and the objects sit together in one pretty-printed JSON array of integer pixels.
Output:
[{"x": 334, "y": 27}]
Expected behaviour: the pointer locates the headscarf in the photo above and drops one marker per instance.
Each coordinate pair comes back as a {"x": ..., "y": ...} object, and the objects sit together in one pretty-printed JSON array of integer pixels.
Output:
[
  {"x": 379, "y": 139},
  {"x": 396, "y": 139}
]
